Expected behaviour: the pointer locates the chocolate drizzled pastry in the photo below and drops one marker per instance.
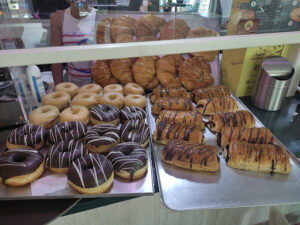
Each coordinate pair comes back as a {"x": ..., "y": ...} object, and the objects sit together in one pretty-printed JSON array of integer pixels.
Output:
[
  {"x": 175, "y": 103},
  {"x": 170, "y": 92},
  {"x": 191, "y": 156},
  {"x": 257, "y": 157},
  {"x": 217, "y": 105},
  {"x": 251, "y": 135},
  {"x": 129, "y": 157},
  {"x": 132, "y": 113},
  {"x": 18, "y": 162},
  {"x": 241, "y": 118},
  {"x": 28, "y": 135},
  {"x": 105, "y": 112},
  {"x": 135, "y": 131},
  {"x": 210, "y": 92},
  {"x": 167, "y": 131},
  {"x": 90, "y": 171},
  {"x": 67, "y": 131}
]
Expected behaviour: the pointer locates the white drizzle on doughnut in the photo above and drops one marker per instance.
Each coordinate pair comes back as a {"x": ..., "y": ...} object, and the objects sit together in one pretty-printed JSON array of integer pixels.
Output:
[
  {"x": 133, "y": 113},
  {"x": 102, "y": 134},
  {"x": 27, "y": 135},
  {"x": 135, "y": 131},
  {"x": 67, "y": 131},
  {"x": 109, "y": 112}
]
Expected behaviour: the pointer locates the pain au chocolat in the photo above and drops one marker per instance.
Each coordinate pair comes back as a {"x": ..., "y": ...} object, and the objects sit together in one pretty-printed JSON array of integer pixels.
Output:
[
  {"x": 257, "y": 157},
  {"x": 170, "y": 92},
  {"x": 210, "y": 92},
  {"x": 192, "y": 156},
  {"x": 217, "y": 105},
  {"x": 175, "y": 103}
]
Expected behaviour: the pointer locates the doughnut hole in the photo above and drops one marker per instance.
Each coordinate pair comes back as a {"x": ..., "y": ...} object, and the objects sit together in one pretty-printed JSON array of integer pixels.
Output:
[
  {"x": 112, "y": 97},
  {"x": 56, "y": 95},
  {"x": 44, "y": 110},
  {"x": 75, "y": 111},
  {"x": 18, "y": 158},
  {"x": 67, "y": 85},
  {"x": 135, "y": 97},
  {"x": 86, "y": 96}
]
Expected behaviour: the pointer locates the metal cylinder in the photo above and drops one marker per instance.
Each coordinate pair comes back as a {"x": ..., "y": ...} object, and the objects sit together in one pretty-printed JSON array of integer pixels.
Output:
[{"x": 273, "y": 83}]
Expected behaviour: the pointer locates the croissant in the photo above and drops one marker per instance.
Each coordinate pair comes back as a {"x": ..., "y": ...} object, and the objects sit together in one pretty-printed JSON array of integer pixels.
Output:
[
  {"x": 194, "y": 73},
  {"x": 174, "y": 29},
  {"x": 122, "y": 29},
  {"x": 144, "y": 71},
  {"x": 120, "y": 69},
  {"x": 176, "y": 104},
  {"x": 210, "y": 92},
  {"x": 203, "y": 32},
  {"x": 103, "y": 30},
  {"x": 166, "y": 69},
  {"x": 212, "y": 106},
  {"x": 147, "y": 27},
  {"x": 101, "y": 73}
]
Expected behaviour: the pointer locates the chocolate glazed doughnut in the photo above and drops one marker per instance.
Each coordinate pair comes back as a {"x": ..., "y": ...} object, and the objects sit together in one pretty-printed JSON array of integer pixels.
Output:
[
  {"x": 19, "y": 167},
  {"x": 66, "y": 131},
  {"x": 27, "y": 136},
  {"x": 62, "y": 154},
  {"x": 91, "y": 174},
  {"x": 132, "y": 113},
  {"x": 135, "y": 131},
  {"x": 104, "y": 114},
  {"x": 129, "y": 160}
]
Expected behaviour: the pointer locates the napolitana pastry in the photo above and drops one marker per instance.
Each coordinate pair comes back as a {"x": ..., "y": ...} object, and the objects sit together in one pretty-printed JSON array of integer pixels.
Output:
[
  {"x": 174, "y": 29},
  {"x": 60, "y": 99},
  {"x": 191, "y": 156},
  {"x": 103, "y": 31},
  {"x": 133, "y": 88},
  {"x": 31, "y": 136},
  {"x": 104, "y": 114},
  {"x": 168, "y": 131},
  {"x": 295, "y": 15},
  {"x": 62, "y": 154},
  {"x": 113, "y": 98},
  {"x": 135, "y": 131},
  {"x": 187, "y": 117},
  {"x": 75, "y": 113},
  {"x": 122, "y": 29},
  {"x": 14, "y": 172},
  {"x": 45, "y": 116},
  {"x": 86, "y": 99},
  {"x": 68, "y": 87},
  {"x": 210, "y": 92},
  {"x": 132, "y": 113},
  {"x": 260, "y": 135},
  {"x": 129, "y": 160},
  {"x": 93, "y": 88},
  {"x": 175, "y": 103},
  {"x": 135, "y": 100},
  {"x": 217, "y": 105},
  {"x": 242, "y": 118},
  {"x": 101, "y": 73},
  {"x": 91, "y": 174},
  {"x": 121, "y": 69},
  {"x": 257, "y": 157},
  {"x": 113, "y": 88},
  {"x": 159, "y": 93},
  {"x": 102, "y": 137}
]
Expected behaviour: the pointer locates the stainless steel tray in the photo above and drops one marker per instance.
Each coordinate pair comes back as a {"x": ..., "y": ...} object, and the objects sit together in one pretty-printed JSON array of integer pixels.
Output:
[
  {"x": 54, "y": 186},
  {"x": 182, "y": 189}
]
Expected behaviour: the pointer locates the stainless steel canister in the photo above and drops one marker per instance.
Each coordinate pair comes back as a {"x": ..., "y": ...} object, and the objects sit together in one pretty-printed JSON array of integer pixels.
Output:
[{"x": 273, "y": 83}]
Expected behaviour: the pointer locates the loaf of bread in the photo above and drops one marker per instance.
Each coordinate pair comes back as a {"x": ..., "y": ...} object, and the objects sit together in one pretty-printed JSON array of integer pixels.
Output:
[
  {"x": 217, "y": 105},
  {"x": 175, "y": 103}
]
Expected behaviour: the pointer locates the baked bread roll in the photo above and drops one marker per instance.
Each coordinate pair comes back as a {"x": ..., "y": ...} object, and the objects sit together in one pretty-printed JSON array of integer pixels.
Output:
[
  {"x": 186, "y": 117},
  {"x": 174, "y": 29},
  {"x": 210, "y": 92},
  {"x": 122, "y": 29},
  {"x": 242, "y": 118},
  {"x": 194, "y": 73},
  {"x": 175, "y": 103},
  {"x": 159, "y": 93},
  {"x": 251, "y": 135},
  {"x": 217, "y": 105},
  {"x": 121, "y": 70},
  {"x": 147, "y": 27},
  {"x": 203, "y": 32},
  {"x": 101, "y": 73},
  {"x": 191, "y": 156},
  {"x": 103, "y": 31},
  {"x": 166, "y": 69},
  {"x": 168, "y": 131},
  {"x": 257, "y": 157}
]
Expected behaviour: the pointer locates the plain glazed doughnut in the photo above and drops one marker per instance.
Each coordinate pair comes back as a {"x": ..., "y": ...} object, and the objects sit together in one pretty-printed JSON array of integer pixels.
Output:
[
  {"x": 135, "y": 100},
  {"x": 60, "y": 99},
  {"x": 135, "y": 131},
  {"x": 104, "y": 114},
  {"x": 112, "y": 98},
  {"x": 19, "y": 167},
  {"x": 113, "y": 88},
  {"x": 27, "y": 136},
  {"x": 133, "y": 88},
  {"x": 86, "y": 99},
  {"x": 94, "y": 88},
  {"x": 62, "y": 154},
  {"x": 91, "y": 174},
  {"x": 132, "y": 113},
  {"x": 68, "y": 87},
  {"x": 129, "y": 160},
  {"x": 75, "y": 113},
  {"x": 46, "y": 116}
]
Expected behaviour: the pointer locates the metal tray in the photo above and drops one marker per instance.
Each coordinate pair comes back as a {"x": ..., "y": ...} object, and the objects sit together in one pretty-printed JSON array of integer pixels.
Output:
[
  {"x": 182, "y": 189},
  {"x": 54, "y": 186}
]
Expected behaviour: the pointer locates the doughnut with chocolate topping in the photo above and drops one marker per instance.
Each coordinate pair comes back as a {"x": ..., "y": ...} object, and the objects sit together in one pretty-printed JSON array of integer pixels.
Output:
[
  {"x": 104, "y": 114},
  {"x": 67, "y": 131},
  {"x": 129, "y": 160},
  {"x": 19, "y": 167},
  {"x": 102, "y": 137},
  {"x": 132, "y": 113},
  {"x": 135, "y": 131},
  {"x": 91, "y": 174},
  {"x": 27, "y": 136},
  {"x": 62, "y": 154}
]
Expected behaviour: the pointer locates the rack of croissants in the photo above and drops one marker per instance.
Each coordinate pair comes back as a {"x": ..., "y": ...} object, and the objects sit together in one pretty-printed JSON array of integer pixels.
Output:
[
  {"x": 180, "y": 127},
  {"x": 90, "y": 133}
]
